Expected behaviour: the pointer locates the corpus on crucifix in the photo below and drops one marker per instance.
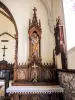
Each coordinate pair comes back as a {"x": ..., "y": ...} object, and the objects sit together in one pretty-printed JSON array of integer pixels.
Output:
[{"x": 4, "y": 48}]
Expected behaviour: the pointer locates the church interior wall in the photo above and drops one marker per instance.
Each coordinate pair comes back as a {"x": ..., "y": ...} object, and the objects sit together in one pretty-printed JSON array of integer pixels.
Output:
[
  {"x": 10, "y": 51},
  {"x": 58, "y": 11},
  {"x": 7, "y": 26},
  {"x": 71, "y": 57},
  {"x": 24, "y": 13},
  {"x": 58, "y": 61}
]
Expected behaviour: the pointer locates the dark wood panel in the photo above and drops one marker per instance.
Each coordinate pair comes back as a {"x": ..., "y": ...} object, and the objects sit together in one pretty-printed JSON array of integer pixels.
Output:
[{"x": 66, "y": 70}]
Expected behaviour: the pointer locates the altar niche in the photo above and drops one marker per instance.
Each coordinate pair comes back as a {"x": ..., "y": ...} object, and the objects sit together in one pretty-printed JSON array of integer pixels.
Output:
[
  {"x": 35, "y": 45},
  {"x": 35, "y": 71},
  {"x": 34, "y": 38}
]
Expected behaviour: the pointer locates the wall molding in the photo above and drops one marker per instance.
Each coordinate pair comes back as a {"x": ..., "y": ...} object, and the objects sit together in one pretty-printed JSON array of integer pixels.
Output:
[
  {"x": 7, "y": 34},
  {"x": 67, "y": 70}
]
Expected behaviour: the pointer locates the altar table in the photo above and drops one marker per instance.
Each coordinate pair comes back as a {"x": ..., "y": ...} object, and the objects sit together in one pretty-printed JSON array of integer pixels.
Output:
[{"x": 54, "y": 92}]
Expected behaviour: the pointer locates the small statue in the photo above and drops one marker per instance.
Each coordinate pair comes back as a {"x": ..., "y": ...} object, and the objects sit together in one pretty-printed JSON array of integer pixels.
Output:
[
  {"x": 35, "y": 77},
  {"x": 34, "y": 73}
]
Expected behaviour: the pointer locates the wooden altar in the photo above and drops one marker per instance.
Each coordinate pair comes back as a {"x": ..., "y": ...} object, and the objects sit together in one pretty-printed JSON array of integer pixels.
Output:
[{"x": 39, "y": 79}]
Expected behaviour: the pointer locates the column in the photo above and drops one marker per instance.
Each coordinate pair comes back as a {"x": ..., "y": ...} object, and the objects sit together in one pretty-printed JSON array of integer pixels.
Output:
[
  {"x": 16, "y": 97},
  {"x": 12, "y": 97}
]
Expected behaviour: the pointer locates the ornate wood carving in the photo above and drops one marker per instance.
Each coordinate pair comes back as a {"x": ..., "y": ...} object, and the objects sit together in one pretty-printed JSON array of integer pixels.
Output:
[
  {"x": 36, "y": 72},
  {"x": 35, "y": 97},
  {"x": 60, "y": 42},
  {"x": 16, "y": 56},
  {"x": 51, "y": 96},
  {"x": 34, "y": 38},
  {"x": 57, "y": 37}
]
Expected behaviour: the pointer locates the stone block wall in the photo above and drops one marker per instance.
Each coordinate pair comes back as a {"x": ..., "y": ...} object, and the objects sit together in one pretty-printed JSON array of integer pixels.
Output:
[{"x": 67, "y": 81}]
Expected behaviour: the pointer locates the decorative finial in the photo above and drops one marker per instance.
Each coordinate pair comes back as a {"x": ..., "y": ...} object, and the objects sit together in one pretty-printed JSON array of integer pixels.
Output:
[
  {"x": 58, "y": 20},
  {"x": 34, "y": 9},
  {"x": 29, "y": 23},
  {"x": 39, "y": 23},
  {"x": 34, "y": 21}
]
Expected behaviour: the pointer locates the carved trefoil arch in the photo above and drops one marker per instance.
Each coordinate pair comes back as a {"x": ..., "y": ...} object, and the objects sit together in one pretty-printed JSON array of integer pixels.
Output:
[{"x": 34, "y": 38}]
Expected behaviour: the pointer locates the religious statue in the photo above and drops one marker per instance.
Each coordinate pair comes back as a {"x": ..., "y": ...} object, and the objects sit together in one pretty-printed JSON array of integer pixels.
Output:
[
  {"x": 35, "y": 44},
  {"x": 35, "y": 76}
]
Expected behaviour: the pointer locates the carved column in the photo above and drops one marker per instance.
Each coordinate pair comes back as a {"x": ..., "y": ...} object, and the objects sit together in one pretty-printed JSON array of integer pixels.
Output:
[
  {"x": 16, "y": 58},
  {"x": 53, "y": 96},
  {"x": 16, "y": 97},
  {"x": 12, "y": 97},
  {"x": 60, "y": 43}
]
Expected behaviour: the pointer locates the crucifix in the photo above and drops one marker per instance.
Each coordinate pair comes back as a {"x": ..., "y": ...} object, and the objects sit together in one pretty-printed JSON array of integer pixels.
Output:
[
  {"x": 34, "y": 15},
  {"x": 35, "y": 73},
  {"x": 4, "y": 51},
  {"x": 34, "y": 9}
]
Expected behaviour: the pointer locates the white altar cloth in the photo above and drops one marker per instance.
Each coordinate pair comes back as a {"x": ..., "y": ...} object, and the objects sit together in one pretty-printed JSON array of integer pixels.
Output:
[{"x": 35, "y": 89}]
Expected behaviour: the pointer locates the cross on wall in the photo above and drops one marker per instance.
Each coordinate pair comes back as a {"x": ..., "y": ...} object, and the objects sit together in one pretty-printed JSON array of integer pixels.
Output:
[{"x": 4, "y": 48}]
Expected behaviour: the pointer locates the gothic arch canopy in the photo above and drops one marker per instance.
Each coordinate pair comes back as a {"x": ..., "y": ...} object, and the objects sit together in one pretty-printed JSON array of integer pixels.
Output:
[{"x": 34, "y": 37}]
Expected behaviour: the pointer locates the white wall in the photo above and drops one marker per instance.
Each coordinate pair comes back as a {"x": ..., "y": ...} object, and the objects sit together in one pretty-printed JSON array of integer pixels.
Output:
[
  {"x": 58, "y": 11},
  {"x": 58, "y": 61},
  {"x": 71, "y": 58},
  {"x": 10, "y": 51},
  {"x": 22, "y": 11},
  {"x": 7, "y": 26}
]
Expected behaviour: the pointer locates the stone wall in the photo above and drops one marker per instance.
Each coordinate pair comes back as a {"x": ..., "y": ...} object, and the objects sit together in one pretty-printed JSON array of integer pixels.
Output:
[{"x": 67, "y": 81}]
